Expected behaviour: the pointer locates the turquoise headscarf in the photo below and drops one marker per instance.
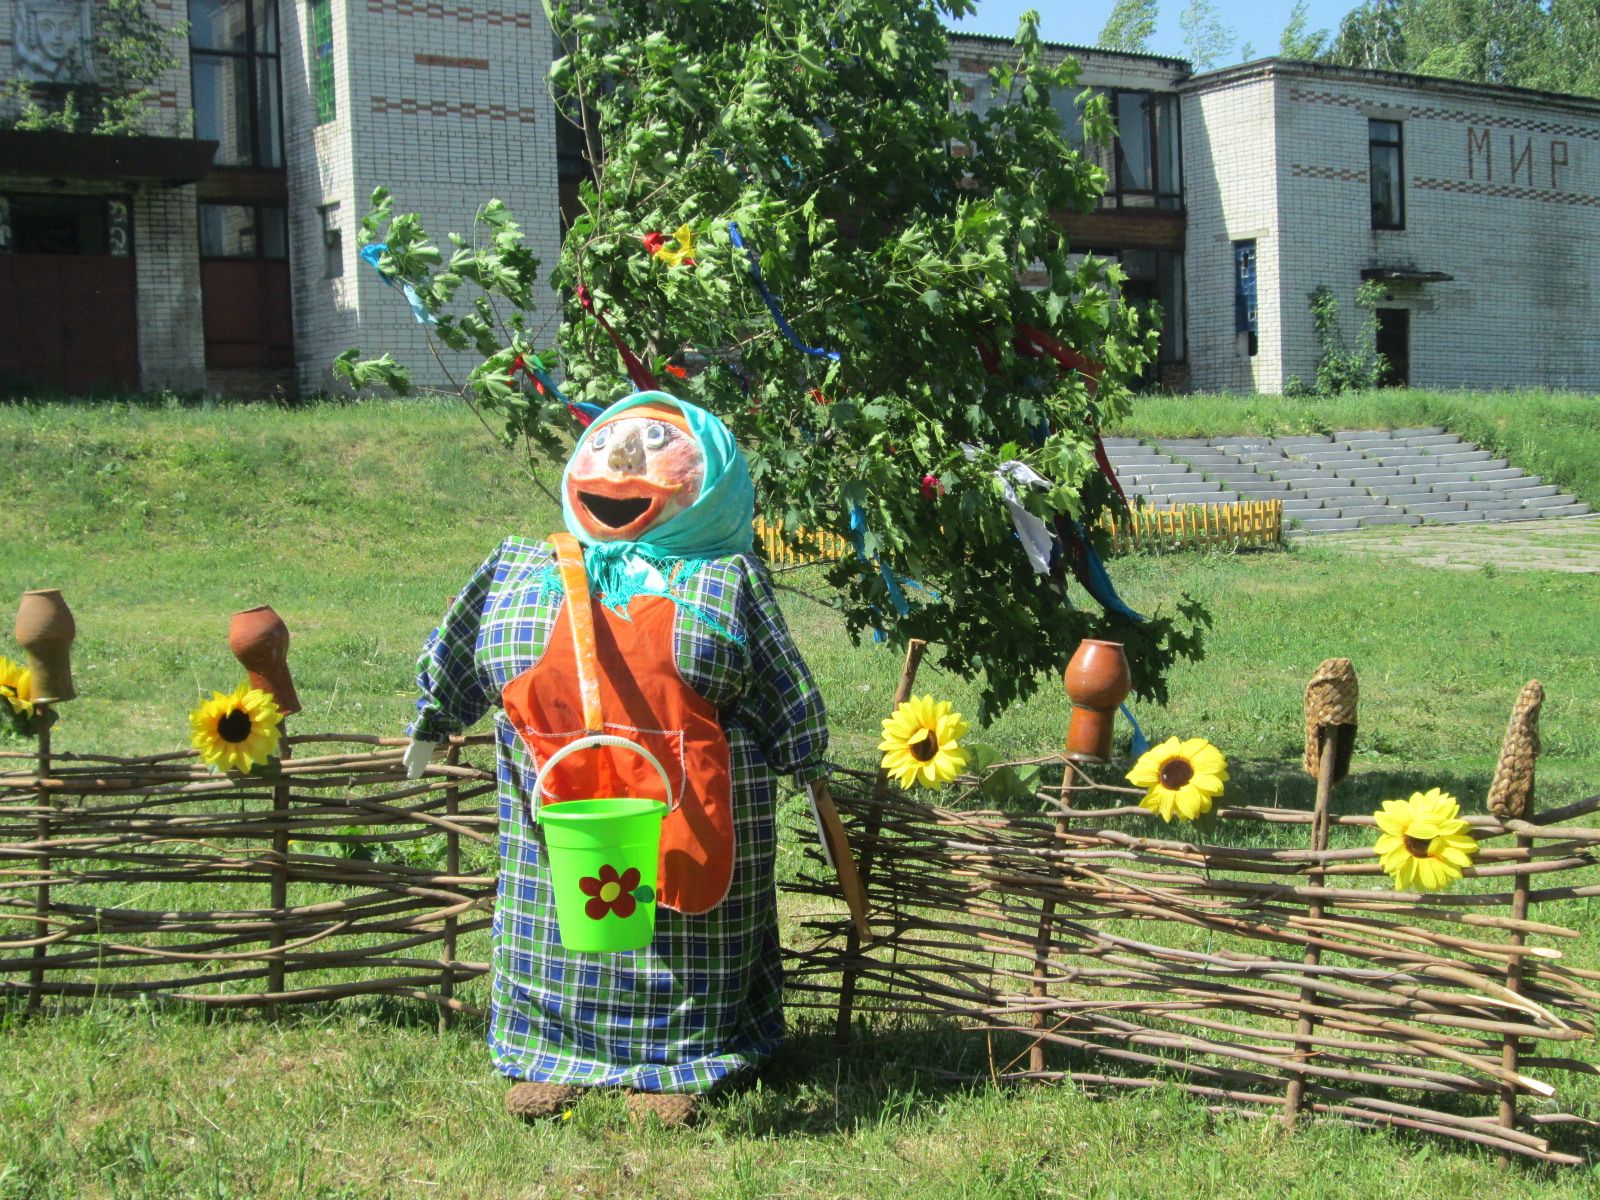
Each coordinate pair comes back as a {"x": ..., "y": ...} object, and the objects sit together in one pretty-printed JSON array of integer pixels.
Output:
[{"x": 718, "y": 523}]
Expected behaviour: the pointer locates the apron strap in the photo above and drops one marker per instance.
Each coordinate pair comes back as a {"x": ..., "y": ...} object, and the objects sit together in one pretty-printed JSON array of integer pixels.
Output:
[{"x": 580, "y": 616}]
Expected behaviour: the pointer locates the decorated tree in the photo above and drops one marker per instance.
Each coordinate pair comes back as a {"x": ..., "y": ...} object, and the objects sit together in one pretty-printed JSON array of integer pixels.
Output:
[{"x": 796, "y": 222}]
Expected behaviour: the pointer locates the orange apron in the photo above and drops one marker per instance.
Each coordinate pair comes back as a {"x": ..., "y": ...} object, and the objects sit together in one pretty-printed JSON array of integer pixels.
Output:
[{"x": 619, "y": 675}]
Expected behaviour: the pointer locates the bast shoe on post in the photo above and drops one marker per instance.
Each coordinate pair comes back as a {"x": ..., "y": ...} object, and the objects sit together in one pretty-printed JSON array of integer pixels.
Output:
[
  {"x": 675, "y": 1110},
  {"x": 532, "y": 1100}
]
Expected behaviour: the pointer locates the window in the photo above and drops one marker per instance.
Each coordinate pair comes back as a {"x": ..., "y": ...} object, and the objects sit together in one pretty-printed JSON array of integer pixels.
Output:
[
  {"x": 1244, "y": 296},
  {"x": 1154, "y": 283},
  {"x": 1386, "y": 168},
  {"x": 332, "y": 242},
  {"x": 243, "y": 231},
  {"x": 233, "y": 60},
  {"x": 1143, "y": 164},
  {"x": 65, "y": 225},
  {"x": 321, "y": 24}
]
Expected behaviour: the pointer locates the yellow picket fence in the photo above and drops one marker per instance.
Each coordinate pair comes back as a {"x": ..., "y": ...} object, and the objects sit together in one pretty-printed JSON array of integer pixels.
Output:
[
  {"x": 1193, "y": 527},
  {"x": 799, "y": 549},
  {"x": 1197, "y": 527}
]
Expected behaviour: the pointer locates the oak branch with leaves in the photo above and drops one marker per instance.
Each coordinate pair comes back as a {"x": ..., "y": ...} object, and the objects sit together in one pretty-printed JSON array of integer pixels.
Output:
[{"x": 905, "y": 236}]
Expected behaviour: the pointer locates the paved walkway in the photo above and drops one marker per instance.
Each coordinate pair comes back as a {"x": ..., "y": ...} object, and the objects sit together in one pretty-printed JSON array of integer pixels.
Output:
[
  {"x": 1341, "y": 482},
  {"x": 1568, "y": 546}
]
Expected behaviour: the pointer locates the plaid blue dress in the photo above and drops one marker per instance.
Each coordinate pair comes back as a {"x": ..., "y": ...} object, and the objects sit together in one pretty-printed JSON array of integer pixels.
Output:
[{"x": 703, "y": 1002}]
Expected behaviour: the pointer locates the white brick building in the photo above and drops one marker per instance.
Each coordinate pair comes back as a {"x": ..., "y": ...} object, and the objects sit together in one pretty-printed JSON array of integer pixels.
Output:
[
  {"x": 219, "y": 251},
  {"x": 1479, "y": 207},
  {"x": 165, "y": 261}
]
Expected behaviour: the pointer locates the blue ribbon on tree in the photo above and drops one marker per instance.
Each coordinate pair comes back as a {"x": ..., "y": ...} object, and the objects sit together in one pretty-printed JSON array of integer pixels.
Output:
[
  {"x": 583, "y": 412},
  {"x": 370, "y": 253},
  {"x": 893, "y": 583},
  {"x": 1097, "y": 580},
  {"x": 858, "y": 529},
  {"x": 754, "y": 266},
  {"x": 1140, "y": 742}
]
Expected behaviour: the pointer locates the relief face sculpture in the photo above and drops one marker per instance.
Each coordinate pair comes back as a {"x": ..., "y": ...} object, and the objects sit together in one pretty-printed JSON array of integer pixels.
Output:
[{"x": 51, "y": 38}]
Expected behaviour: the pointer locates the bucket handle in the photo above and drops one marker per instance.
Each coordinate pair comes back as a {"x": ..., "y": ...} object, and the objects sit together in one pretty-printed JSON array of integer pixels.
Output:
[{"x": 584, "y": 743}]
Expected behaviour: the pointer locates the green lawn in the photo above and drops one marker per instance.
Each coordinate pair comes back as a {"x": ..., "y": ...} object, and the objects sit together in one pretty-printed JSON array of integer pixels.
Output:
[{"x": 358, "y": 522}]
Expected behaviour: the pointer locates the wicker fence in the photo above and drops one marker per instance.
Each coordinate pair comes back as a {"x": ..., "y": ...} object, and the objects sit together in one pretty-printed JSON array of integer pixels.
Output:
[
  {"x": 1265, "y": 963},
  {"x": 334, "y": 877},
  {"x": 1266, "y": 966}
]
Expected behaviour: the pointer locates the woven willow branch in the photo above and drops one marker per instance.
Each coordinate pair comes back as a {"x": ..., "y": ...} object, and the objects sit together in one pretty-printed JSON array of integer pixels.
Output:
[
  {"x": 1110, "y": 937},
  {"x": 336, "y": 876}
]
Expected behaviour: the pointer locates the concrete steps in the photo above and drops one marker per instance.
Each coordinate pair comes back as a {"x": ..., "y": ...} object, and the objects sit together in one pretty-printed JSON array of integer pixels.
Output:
[{"x": 1345, "y": 480}]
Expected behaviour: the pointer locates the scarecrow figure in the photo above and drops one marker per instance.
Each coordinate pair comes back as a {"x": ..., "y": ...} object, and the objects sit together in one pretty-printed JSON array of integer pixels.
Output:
[{"x": 694, "y": 661}]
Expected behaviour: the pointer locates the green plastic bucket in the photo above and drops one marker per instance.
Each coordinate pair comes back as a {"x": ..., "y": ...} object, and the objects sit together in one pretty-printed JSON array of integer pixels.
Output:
[{"x": 603, "y": 856}]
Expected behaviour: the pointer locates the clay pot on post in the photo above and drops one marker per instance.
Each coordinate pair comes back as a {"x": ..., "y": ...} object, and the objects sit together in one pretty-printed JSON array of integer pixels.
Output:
[
  {"x": 260, "y": 641},
  {"x": 45, "y": 630},
  {"x": 1097, "y": 682}
]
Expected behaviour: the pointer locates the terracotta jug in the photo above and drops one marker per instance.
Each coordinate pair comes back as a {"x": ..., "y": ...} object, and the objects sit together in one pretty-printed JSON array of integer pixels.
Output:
[
  {"x": 45, "y": 629},
  {"x": 1097, "y": 682},
  {"x": 260, "y": 641}
]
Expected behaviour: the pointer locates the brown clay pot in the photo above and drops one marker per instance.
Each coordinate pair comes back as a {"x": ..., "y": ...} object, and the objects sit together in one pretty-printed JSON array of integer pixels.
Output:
[
  {"x": 45, "y": 630},
  {"x": 1097, "y": 682},
  {"x": 260, "y": 641}
]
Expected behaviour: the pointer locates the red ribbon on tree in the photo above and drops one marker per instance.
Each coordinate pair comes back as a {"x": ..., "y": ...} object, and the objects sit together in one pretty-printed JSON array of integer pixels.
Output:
[
  {"x": 1031, "y": 342},
  {"x": 640, "y": 374}
]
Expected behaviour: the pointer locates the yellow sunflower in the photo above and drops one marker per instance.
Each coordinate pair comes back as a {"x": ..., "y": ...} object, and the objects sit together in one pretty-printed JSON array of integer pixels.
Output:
[
  {"x": 238, "y": 731},
  {"x": 16, "y": 685},
  {"x": 1425, "y": 845},
  {"x": 920, "y": 743},
  {"x": 1180, "y": 778}
]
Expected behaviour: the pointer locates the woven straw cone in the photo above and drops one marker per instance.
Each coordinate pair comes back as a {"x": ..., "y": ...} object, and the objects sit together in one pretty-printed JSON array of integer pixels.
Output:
[
  {"x": 1331, "y": 704},
  {"x": 672, "y": 1109},
  {"x": 533, "y": 1100},
  {"x": 1511, "y": 793}
]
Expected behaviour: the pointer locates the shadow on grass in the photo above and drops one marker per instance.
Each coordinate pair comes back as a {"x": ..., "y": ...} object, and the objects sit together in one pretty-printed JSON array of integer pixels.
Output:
[{"x": 903, "y": 1076}]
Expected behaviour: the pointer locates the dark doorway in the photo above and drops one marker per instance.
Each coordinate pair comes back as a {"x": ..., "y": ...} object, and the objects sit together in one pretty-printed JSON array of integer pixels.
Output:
[
  {"x": 1394, "y": 343},
  {"x": 71, "y": 276}
]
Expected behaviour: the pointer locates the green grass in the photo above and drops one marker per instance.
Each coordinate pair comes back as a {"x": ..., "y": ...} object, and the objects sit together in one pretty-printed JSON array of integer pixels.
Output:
[
  {"x": 1552, "y": 434},
  {"x": 358, "y": 522}
]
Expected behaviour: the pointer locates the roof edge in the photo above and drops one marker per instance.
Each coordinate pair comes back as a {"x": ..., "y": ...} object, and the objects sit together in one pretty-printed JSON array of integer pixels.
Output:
[
  {"x": 996, "y": 39},
  {"x": 1262, "y": 68}
]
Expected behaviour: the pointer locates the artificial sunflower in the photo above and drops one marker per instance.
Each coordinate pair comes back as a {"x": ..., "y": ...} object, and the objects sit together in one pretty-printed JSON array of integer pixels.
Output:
[
  {"x": 238, "y": 731},
  {"x": 1425, "y": 845},
  {"x": 16, "y": 685},
  {"x": 920, "y": 743},
  {"x": 1180, "y": 778}
]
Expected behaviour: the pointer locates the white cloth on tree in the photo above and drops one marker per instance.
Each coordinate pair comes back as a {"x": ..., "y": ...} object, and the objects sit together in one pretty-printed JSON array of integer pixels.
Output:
[{"x": 1036, "y": 537}]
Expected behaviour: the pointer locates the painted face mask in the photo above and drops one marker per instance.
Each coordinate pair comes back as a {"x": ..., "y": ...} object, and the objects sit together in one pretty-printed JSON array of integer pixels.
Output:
[
  {"x": 634, "y": 472},
  {"x": 655, "y": 484}
]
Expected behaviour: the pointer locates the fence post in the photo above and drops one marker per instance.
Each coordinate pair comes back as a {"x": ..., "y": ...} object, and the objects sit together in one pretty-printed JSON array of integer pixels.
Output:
[
  {"x": 280, "y": 870},
  {"x": 880, "y": 789},
  {"x": 1511, "y": 798},
  {"x": 45, "y": 715},
  {"x": 1330, "y": 735},
  {"x": 1047, "y": 914},
  {"x": 452, "y": 866},
  {"x": 259, "y": 639}
]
